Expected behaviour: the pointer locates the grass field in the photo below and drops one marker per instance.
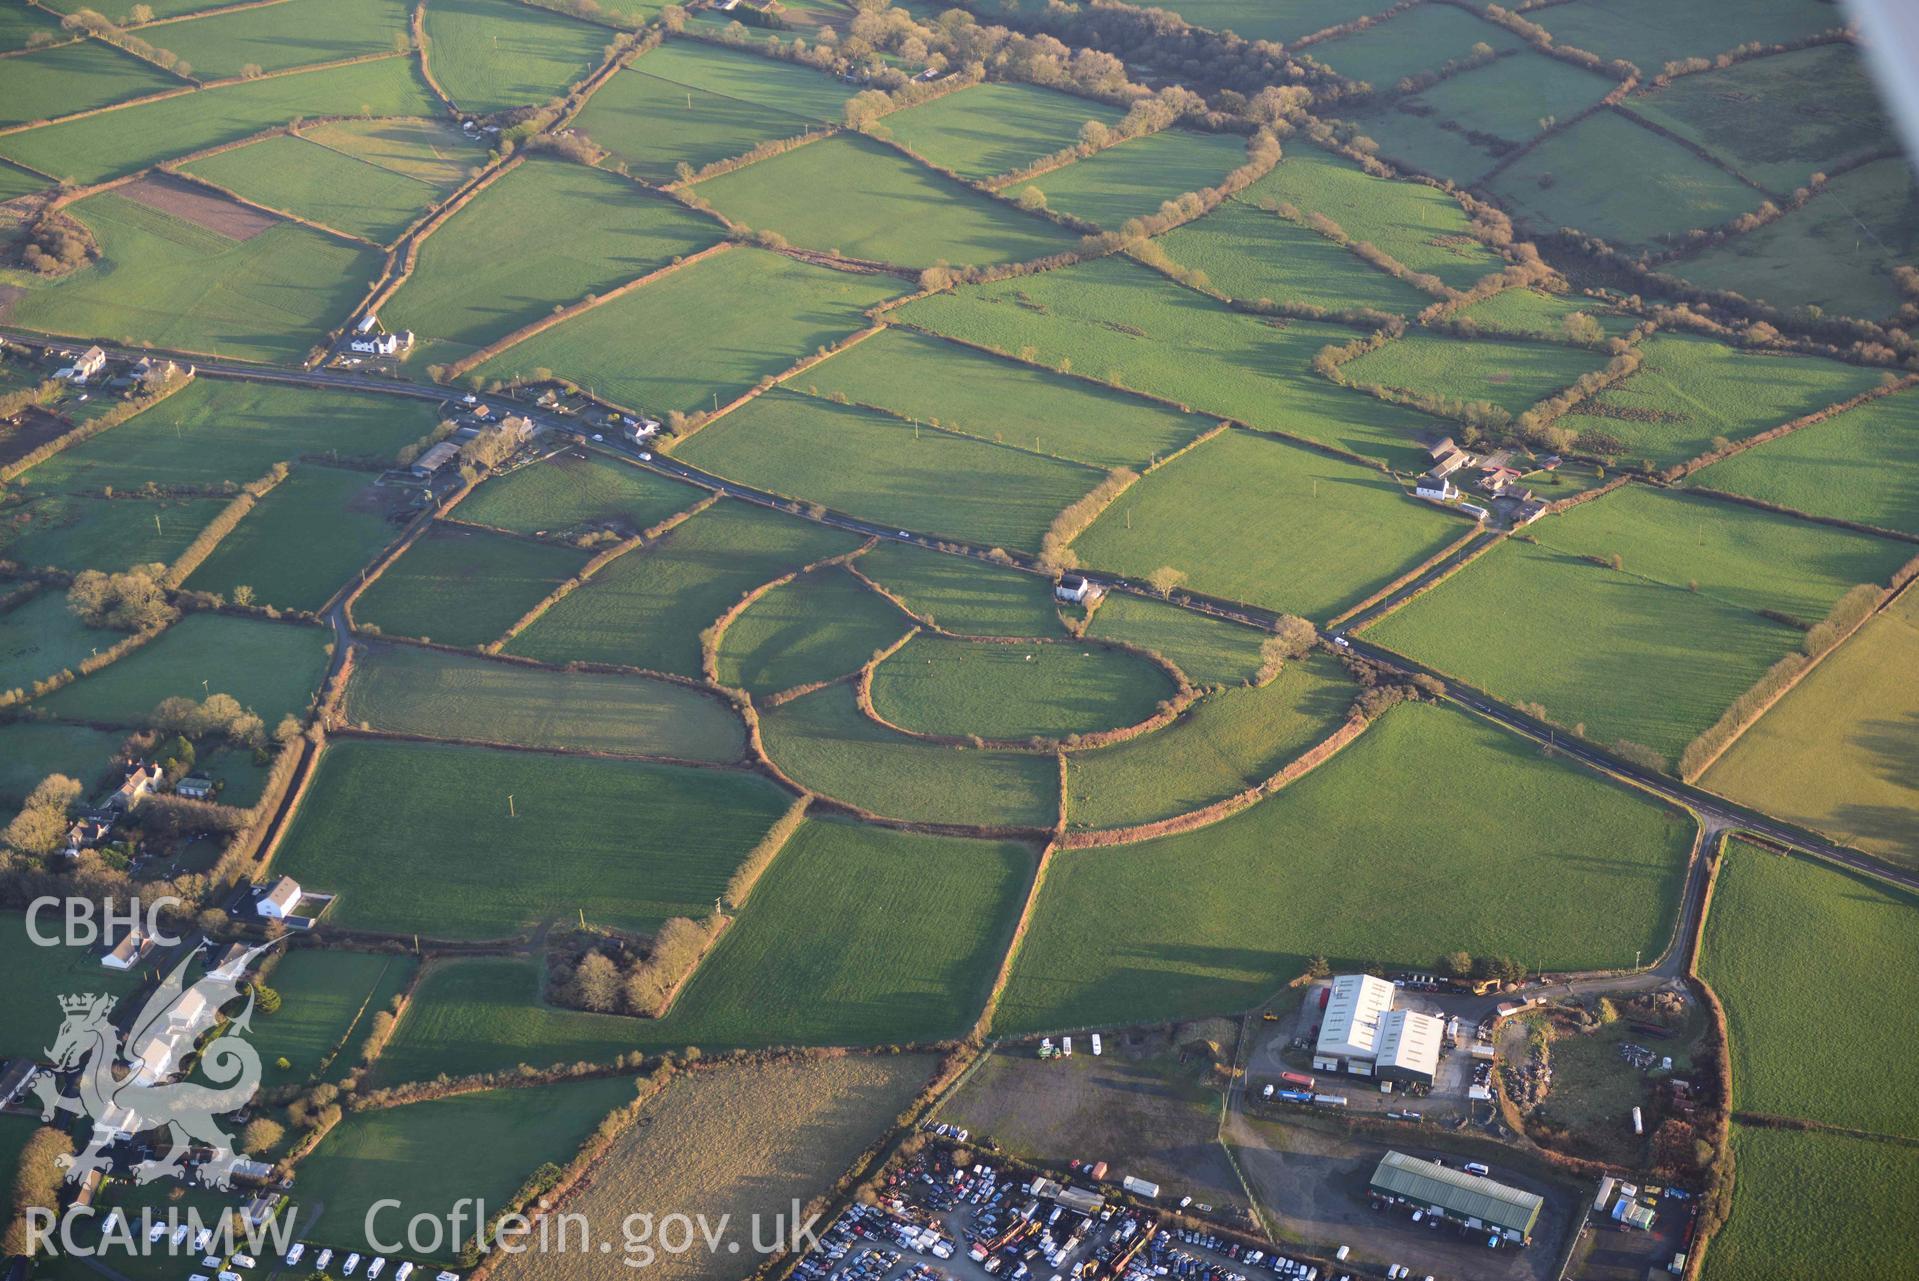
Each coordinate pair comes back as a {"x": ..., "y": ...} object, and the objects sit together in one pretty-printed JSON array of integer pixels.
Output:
[
  {"x": 1177, "y": 345},
  {"x": 1419, "y": 226},
  {"x": 19, "y": 25},
  {"x": 1838, "y": 753},
  {"x": 823, "y": 742},
  {"x": 648, "y": 607},
  {"x": 746, "y": 76},
  {"x": 1511, "y": 375},
  {"x": 1777, "y": 120},
  {"x": 41, "y": 637},
  {"x": 818, "y": 627},
  {"x": 773, "y": 309},
  {"x": 483, "y": 1013},
  {"x": 745, "y": 1140},
  {"x": 1861, "y": 466},
  {"x": 330, "y": 187},
  {"x": 75, "y": 532},
  {"x": 1691, "y": 390},
  {"x": 305, "y": 539},
  {"x": 1768, "y": 952},
  {"x": 216, "y": 432},
  {"x": 1268, "y": 523},
  {"x": 279, "y": 36},
  {"x": 1230, "y": 741},
  {"x": 881, "y": 468},
  {"x": 272, "y": 668},
  {"x": 1566, "y": 182},
  {"x": 31, "y": 750},
  {"x": 1134, "y": 178},
  {"x": 628, "y": 843},
  {"x": 1836, "y": 253},
  {"x": 941, "y": 685},
  {"x": 408, "y": 690},
  {"x": 328, "y": 1000},
  {"x": 1413, "y": 139},
  {"x": 549, "y": 232},
  {"x": 1636, "y": 653},
  {"x": 919, "y": 377},
  {"x": 1214, "y": 920},
  {"x": 1512, "y": 97},
  {"x": 995, "y": 128},
  {"x": 433, "y": 591},
  {"x": 654, "y": 126},
  {"x": 428, "y": 1156},
  {"x": 1252, "y": 254},
  {"x": 490, "y": 55},
  {"x": 173, "y": 283},
  {"x": 1650, "y": 33},
  {"x": 1211, "y": 651},
  {"x": 1805, "y": 1202},
  {"x": 577, "y": 492},
  {"x": 1423, "y": 38},
  {"x": 860, "y": 198},
  {"x": 430, "y": 150},
  {"x": 118, "y": 142},
  {"x": 76, "y": 77},
  {"x": 37, "y": 977},
  {"x": 1534, "y": 313},
  {"x": 963, "y": 595}
]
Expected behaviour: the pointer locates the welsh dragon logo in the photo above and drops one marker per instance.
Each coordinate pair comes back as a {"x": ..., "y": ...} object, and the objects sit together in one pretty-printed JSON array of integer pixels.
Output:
[{"x": 121, "y": 1086}]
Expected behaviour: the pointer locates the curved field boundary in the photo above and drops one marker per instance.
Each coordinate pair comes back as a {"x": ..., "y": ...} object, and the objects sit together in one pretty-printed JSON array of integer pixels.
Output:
[
  {"x": 1718, "y": 1196},
  {"x": 580, "y": 308},
  {"x": 519, "y": 660},
  {"x": 715, "y": 632},
  {"x": 1817, "y": 416},
  {"x": 984, "y": 1024},
  {"x": 416, "y": 27},
  {"x": 1652, "y": 126},
  {"x": 560, "y": 593},
  {"x": 371, "y": 575}
]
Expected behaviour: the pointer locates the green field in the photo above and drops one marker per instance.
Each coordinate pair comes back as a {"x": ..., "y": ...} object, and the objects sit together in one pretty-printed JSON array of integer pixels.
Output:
[
  {"x": 272, "y": 668},
  {"x": 915, "y": 376},
  {"x": 654, "y": 126},
  {"x": 1252, "y": 255},
  {"x": 1837, "y": 754},
  {"x": 860, "y": 198},
  {"x": 1803, "y": 1203},
  {"x": 41, "y": 637},
  {"x": 1410, "y": 137},
  {"x": 18, "y": 25},
  {"x": 1513, "y": 376},
  {"x": 319, "y": 183},
  {"x": 75, "y": 532},
  {"x": 1569, "y": 181},
  {"x": 1511, "y": 99},
  {"x": 1341, "y": 864},
  {"x": 881, "y": 468},
  {"x": 824, "y": 743},
  {"x": 37, "y": 977},
  {"x": 1134, "y": 178},
  {"x": 748, "y": 77},
  {"x": 648, "y": 607},
  {"x": 428, "y": 1156},
  {"x": 304, "y": 540},
  {"x": 213, "y": 432},
  {"x": 774, "y": 310},
  {"x": 31, "y": 750},
  {"x": 463, "y": 586},
  {"x": 1211, "y": 651},
  {"x": 1637, "y": 653},
  {"x": 628, "y": 843},
  {"x": 995, "y": 128},
  {"x": 577, "y": 492},
  {"x": 328, "y": 1000},
  {"x": 1416, "y": 225},
  {"x": 1423, "y": 38},
  {"x": 1177, "y": 345},
  {"x": 1768, "y": 952},
  {"x": 1861, "y": 466},
  {"x": 1229, "y": 742},
  {"x": 408, "y": 690},
  {"x": 77, "y": 77},
  {"x": 1650, "y": 33},
  {"x": 173, "y": 283},
  {"x": 943, "y": 685},
  {"x": 118, "y": 142},
  {"x": 1261, "y": 19},
  {"x": 1269, "y": 523},
  {"x": 275, "y": 37},
  {"x": 1836, "y": 253},
  {"x": 820, "y": 626},
  {"x": 491, "y": 55},
  {"x": 1777, "y": 120},
  {"x": 482, "y": 1013},
  {"x": 1691, "y": 390},
  {"x": 1535, "y": 313},
  {"x": 430, "y": 150},
  {"x": 547, "y": 233},
  {"x": 959, "y": 594}
]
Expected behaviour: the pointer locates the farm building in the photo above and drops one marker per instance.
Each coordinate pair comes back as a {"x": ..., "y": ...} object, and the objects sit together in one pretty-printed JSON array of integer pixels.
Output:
[
  {"x": 280, "y": 899},
  {"x": 435, "y": 458},
  {"x": 140, "y": 780},
  {"x": 129, "y": 951},
  {"x": 195, "y": 787},
  {"x": 84, "y": 366},
  {"x": 1076, "y": 589},
  {"x": 383, "y": 344},
  {"x": 1435, "y": 486},
  {"x": 1409, "y": 1046},
  {"x": 1469, "y": 1199},
  {"x": 1363, "y": 1034}
]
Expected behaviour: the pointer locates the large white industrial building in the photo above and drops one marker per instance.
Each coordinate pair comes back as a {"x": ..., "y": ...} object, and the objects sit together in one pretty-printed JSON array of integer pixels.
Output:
[{"x": 1363, "y": 1034}]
